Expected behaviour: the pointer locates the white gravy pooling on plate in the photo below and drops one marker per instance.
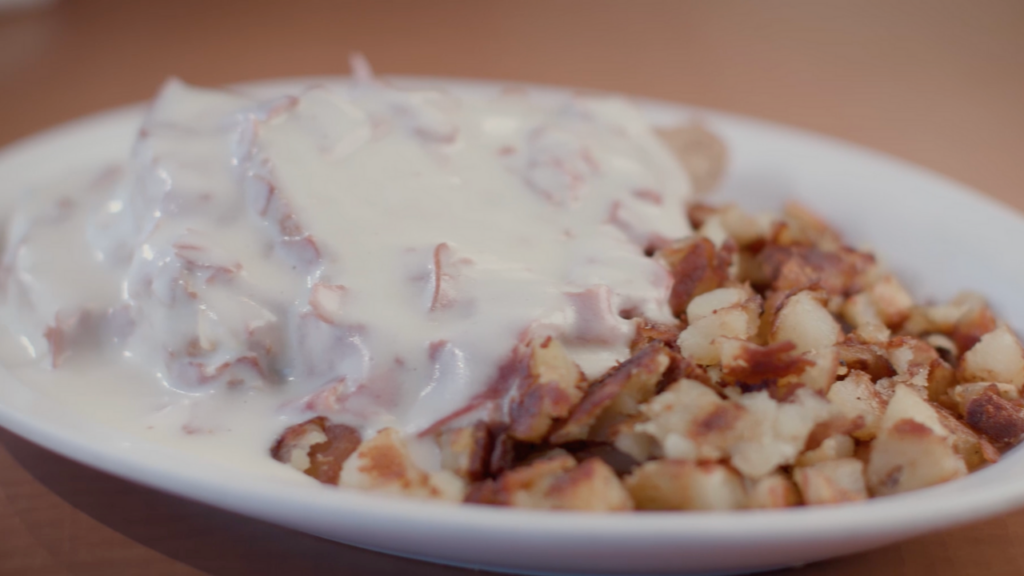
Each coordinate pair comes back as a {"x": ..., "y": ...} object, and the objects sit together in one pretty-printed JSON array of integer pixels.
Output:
[{"x": 371, "y": 254}]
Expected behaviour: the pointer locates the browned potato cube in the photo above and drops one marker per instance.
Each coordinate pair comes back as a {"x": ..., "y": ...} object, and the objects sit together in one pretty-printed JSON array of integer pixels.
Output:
[
  {"x": 591, "y": 486},
  {"x": 973, "y": 320},
  {"x": 467, "y": 450},
  {"x": 860, "y": 312},
  {"x": 809, "y": 227},
  {"x": 707, "y": 303},
  {"x": 685, "y": 485},
  {"x": 554, "y": 385},
  {"x": 696, "y": 267},
  {"x": 891, "y": 300},
  {"x": 964, "y": 393},
  {"x": 832, "y": 481},
  {"x": 992, "y": 415},
  {"x": 648, "y": 332},
  {"x": 558, "y": 483},
  {"x": 856, "y": 396},
  {"x": 383, "y": 464},
  {"x": 754, "y": 367},
  {"x": 690, "y": 421},
  {"x": 617, "y": 395},
  {"x": 629, "y": 439},
  {"x": 717, "y": 315},
  {"x": 804, "y": 321},
  {"x": 909, "y": 455},
  {"x": 821, "y": 374},
  {"x": 832, "y": 448},
  {"x": 868, "y": 358},
  {"x": 775, "y": 433},
  {"x": 292, "y": 447},
  {"x": 317, "y": 447},
  {"x": 974, "y": 448},
  {"x": 997, "y": 357},
  {"x": 773, "y": 491}
]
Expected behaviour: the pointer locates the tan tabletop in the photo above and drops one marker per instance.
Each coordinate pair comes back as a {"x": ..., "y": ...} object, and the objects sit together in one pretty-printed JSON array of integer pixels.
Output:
[{"x": 939, "y": 83}]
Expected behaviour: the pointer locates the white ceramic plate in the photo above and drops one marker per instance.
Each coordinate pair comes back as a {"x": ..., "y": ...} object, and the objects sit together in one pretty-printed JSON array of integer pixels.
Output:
[{"x": 940, "y": 236}]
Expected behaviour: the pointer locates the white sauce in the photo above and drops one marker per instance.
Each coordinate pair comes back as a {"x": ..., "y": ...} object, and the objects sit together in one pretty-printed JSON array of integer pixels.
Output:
[{"x": 373, "y": 255}]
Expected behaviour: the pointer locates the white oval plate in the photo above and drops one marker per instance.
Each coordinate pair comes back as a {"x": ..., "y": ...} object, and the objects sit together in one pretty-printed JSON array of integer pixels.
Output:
[{"x": 940, "y": 236}]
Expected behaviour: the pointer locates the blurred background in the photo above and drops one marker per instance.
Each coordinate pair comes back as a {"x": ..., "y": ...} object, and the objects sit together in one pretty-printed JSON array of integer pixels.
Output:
[
  {"x": 937, "y": 82},
  {"x": 940, "y": 83}
]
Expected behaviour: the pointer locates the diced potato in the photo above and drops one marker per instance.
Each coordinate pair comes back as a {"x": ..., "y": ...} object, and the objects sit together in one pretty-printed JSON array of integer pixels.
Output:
[
  {"x": 941, "y": 379},
  {"x": 809, "y": 227},
  {"x": 908, "y": 455},
  {"x": 822, "y": 373},
  {"x": 856, "y": 396},
  {"x": 909, "y": 355},
  {"x": 617, "y": 395},
  {"x": 590, "y": 486},
  {"x": 891, "y": 300},
  {"x": 554, "y": 386},
  {"x": 690, "y": 421},
  {"x": 868, "y": 358},
  {"x": 697, "y": 342},
  {"x": 685, "y": 485},
  {"x": 317, "y": 447},
  {"x": 832, "y": 481},
  {"x": 943, "y": 344},
  {"x": 714, "y": 230},
  {"x": 997, "y": 357},
  {"x": 628, "y": 439},
  {"x": 975, "y": 449},
  {"x": 860, "y": 312},
  {"x": 742, "y": 227},
  {"x": 383, "y": 464},
  {"x": 995, "y": 417},
  {"x": 804, "y": 320},
  {"x": 775, "y": 490},
  {"x": 775, "y": 433},
  {"x": 648, "y": 332},
  {"x": 833, "y": 448},
  {"x": 908, "y": 404},
  {"x": 968, "y": 310},
  {"x": 975, "y": 321},
  {"x": 466, "y": 451},
  {"x": 697, "y": 266},
  {"x": 559, "y": 483},
  {"x": 964, "y": 393},
  {"x": 754, "y": 367},
  {"x": 292, "y": 447},
  {"x": 698, "y": 213},
  {"x": 707, "y": 303}
]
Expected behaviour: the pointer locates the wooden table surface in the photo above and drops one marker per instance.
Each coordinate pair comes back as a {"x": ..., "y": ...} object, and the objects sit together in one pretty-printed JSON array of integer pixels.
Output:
[{"x": 939, "y": 83}]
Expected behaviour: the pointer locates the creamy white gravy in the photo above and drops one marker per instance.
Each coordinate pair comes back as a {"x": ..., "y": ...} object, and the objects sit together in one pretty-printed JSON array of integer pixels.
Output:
[{"x": 370, "y": 254}]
